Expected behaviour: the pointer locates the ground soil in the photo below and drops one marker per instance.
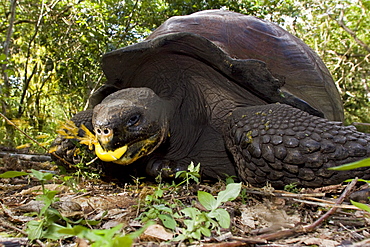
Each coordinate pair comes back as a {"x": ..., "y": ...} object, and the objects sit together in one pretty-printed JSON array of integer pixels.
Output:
[{"x": 259, "y": 217}]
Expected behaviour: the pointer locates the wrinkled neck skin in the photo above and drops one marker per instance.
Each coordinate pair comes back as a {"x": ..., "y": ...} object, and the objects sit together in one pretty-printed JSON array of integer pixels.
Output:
[{"x": 197, "y": 133}]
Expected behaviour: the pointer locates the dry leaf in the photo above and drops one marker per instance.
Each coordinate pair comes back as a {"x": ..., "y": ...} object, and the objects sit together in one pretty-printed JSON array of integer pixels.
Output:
[{"x": 156, "y": 233}]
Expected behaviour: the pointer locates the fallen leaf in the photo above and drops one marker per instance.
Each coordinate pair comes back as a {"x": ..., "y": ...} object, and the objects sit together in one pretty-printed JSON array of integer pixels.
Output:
[{"x": 156, "y": 232}]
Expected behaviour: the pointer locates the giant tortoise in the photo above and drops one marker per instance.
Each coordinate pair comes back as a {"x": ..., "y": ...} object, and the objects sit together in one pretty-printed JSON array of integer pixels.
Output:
[{"x": 239, "y": 95}]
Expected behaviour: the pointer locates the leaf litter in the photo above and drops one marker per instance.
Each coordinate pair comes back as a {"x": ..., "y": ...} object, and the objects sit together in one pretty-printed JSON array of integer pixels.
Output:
[{"x": 259, "y": 216}]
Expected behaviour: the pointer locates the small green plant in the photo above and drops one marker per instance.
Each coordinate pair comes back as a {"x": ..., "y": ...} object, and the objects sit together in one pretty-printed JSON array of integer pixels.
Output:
[
  {"x": 292, "y": 188},
  {"x": 199, "y": 223},
  {"x": 104, "y": 238},
  {"x": 45, "y": 226},
  {"x": 159, "y": 208},
  {"x": 191, "y": 174},
  {"x": 230, "y": 179}
]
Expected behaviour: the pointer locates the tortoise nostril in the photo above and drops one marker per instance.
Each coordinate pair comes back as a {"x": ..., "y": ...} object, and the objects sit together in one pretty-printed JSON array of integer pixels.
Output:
[{"x": 104, "y": 132}]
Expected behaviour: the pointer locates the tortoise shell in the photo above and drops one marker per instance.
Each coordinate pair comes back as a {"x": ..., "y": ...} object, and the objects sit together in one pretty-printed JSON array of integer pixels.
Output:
[{"x": 287, "y": 57}]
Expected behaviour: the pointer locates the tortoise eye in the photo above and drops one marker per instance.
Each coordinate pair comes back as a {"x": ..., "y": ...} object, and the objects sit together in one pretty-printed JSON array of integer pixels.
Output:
[{"x": 133, "y": 120}]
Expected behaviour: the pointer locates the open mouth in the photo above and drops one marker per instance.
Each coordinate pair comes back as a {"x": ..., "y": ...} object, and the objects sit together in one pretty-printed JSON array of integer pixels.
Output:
[{"x": 129, "y": 153}]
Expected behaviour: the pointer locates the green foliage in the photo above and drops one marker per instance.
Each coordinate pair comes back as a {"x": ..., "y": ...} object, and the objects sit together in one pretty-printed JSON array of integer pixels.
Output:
[
  {"x": 200, "y": 223},
  {"x": 353, "y": 165},
  {"x": 230, "y": 179},
  {"x": 46, "y": 225},
  {"x": 291, "y": 188},
  {"x": 105, "y": 238},
  {"x": 50, "y": 224},
  {"x": 197, "y": 223},
  {"x": 361, "y": 206},
  {"x": 13, "y": 174},
  {"x": 191, "y": 174},
  {"x": 157, "y": 207}
]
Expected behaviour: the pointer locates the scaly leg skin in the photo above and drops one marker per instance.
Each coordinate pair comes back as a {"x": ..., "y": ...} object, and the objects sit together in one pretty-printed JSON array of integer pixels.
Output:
[{"x": 282, "y": 145}]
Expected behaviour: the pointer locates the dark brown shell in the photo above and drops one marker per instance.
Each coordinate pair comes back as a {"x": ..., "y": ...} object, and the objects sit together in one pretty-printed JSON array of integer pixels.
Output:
[{"x": 286, "y": 56}]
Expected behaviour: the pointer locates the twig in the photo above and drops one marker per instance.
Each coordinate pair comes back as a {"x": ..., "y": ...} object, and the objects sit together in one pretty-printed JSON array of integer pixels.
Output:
[
  {"x": 34, "y": 140},
  {"x": 285, "y": 194},
  {"x": 326, "y": 204},
  {"x": 311, "y": 227},
  {"x": 340, "y": 200},
  {"x": 226, "y": 244},
  {"x": 351, "y": 32},
  {"x": 363, "y": 124},
  {"x": 30, "y": 157},
  {"x": 254, "y": 240}
]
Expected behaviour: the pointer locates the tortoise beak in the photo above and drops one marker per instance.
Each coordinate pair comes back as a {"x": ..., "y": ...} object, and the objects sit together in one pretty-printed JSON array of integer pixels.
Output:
[
  {"x": 105, "y": 136},
  {"x": 109, "y": 156}
]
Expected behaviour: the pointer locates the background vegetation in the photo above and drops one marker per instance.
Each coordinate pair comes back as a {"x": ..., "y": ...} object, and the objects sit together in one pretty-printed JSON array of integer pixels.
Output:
[{"x": 50, "y": 50}]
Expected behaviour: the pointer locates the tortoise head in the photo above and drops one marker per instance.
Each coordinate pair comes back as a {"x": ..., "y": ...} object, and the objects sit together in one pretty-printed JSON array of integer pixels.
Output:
[{"x": 129, "y": 124}]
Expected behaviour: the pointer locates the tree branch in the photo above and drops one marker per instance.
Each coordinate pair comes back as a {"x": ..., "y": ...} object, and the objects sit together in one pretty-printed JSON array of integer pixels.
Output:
[
  {"x": 351, "y": 32},
  {"x": 9, "y": 33},
  {"x": 26, "y": 78}
]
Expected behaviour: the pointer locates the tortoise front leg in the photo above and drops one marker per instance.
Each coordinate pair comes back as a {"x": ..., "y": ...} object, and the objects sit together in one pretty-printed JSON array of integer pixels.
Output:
[{"x": 284, "y": 145}]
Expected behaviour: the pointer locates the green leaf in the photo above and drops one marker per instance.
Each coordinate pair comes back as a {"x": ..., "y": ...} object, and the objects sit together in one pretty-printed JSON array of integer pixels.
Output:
[
  {"x": 34, "y": 229},
  {"x": 42, "y": 176},
  {"x": 362, "y": 206},
  {"x": 12, "y": 174},
  {"x": 122, "y": 241},
  {"x": 52, "y": 232},
  {"x": 158, "y": 193},
  {"x": 230, "y": 193},
  {"x": 74, "y": 231},
  {"x": 230, "y": 180},
  {"x": 207, "y": 200},
  {"x": 353, "y": 165},
  {"x": 163, "y": 208},
  {"x": 205, "y": 231},
  {"x": 358, "y": 180},
  {"x": 168, "y": 221},
  {"x": 190, "y": 212},
  {"x": 179, "y": 238},
  {"x": 196, "y": 234},
  {"x": 222, "y": 216}
]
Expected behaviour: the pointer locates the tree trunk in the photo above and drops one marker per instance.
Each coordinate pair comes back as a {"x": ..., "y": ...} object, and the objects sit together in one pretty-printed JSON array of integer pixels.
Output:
[{"x": 5, "y": 89}]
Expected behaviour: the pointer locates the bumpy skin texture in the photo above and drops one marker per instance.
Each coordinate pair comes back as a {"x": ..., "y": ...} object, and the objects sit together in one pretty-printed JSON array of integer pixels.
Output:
[{"x": 283, "y": 145}]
